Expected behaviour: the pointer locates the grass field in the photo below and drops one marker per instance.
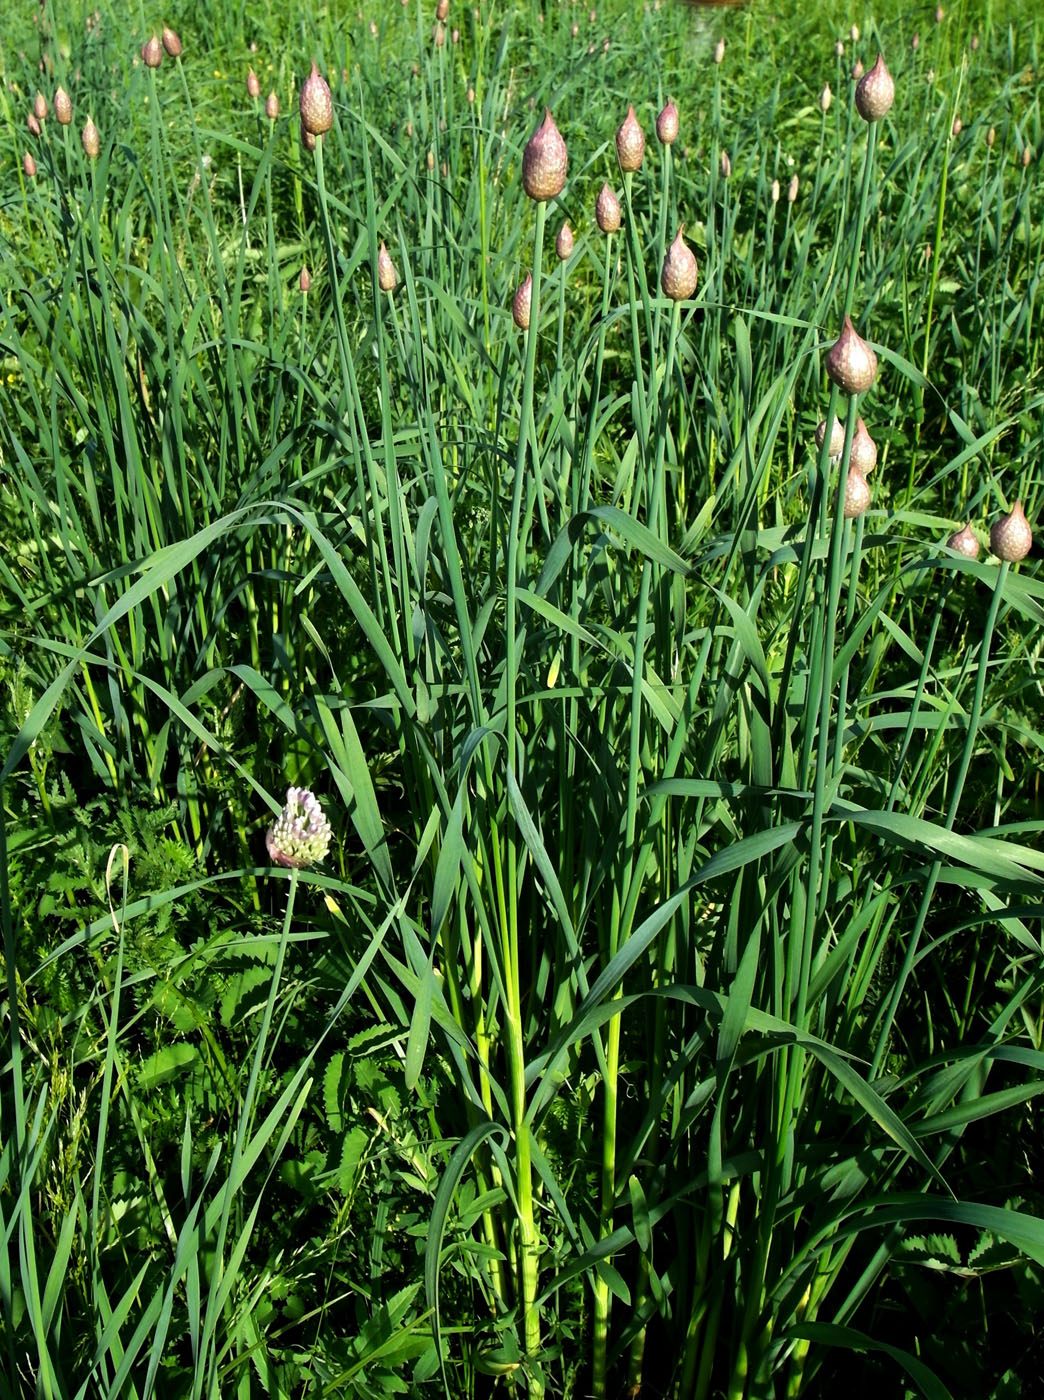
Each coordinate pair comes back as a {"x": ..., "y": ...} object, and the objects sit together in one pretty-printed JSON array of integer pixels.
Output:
[{"x": 657, "y": 1008}]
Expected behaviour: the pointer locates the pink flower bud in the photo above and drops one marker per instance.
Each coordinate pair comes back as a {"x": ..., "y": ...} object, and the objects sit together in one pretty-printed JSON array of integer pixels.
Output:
[{"x": 544, "y": 161}]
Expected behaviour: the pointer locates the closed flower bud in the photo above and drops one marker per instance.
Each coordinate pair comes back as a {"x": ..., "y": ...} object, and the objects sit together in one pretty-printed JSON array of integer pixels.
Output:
[
  {"x": 875, "y": 93},
  {"x": 667, "y": 124},
  {"x": 301, "y": 834},
  {"x": 939, "y": 12},
  {"x": 316, "y": 104},
  {"x": 825, "y": 98},
  {"x": 915, "y": 42},
  {"x": 857, "y": 70},
  {"x": 850, "y": 362},
  {"x": 853, "y": 33},
  {"x": 253, "y": 85},
  {"x": 719, "y": 51},
  {"x": 63, "y": 106},
  {"x": 564, "y": 242},
  {"x": 387, "y": 277},
  {"x": 522, "y": 303},
  {"x": 152, "y": 52},
  {"x": 774, "y": 191},
  {"x": 607, "y": 210},
  {"x": 679, "y": 273},
  {"x": 91, "y": 140},
  {"x": 1011, "y": 537},
  {"x": 1027, "y": 156},
  {"x": 839, "y": 48},
  {"x": 957, "y": 127},
  {"x": 726, "y": 165},
  {"x": 863, "y": 454},
  {"x": 438, "y": 36},
  {"x": 29, "y": 165},
  {"x": 429, "y": 160},
  {"x": 40, "y": 108},
  {"x": 442, "y": 10},
  {"x": 792, "y": 189},
  {"x": 837, "y": 436},
  {"x": 271, "y": 106},
  {"x": 991, "y": 136},
  {"x": 857, "y": 494},
  {"x": 964, "y": 542},
  {"x": 305, "y": 280},
  {"x": 33, "y": 124},
  {"x": 630, "y": 142},
  {"x": 544, "y": 161},
  {"x": 171, "y": 42}
]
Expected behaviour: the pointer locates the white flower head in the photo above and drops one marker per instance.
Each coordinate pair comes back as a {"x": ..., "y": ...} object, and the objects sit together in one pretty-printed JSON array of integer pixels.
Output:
[{"x": 301, "y": 834}]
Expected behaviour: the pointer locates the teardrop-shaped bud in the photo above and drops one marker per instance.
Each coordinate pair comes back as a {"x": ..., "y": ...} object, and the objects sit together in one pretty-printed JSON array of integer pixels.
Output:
[
  {"x": 32, "y": 122},
  {"x": 857, "y": 70},
  {"x": 726, "y": 165},
  {"x": 271, "y": 106},
  {"x": 307, "y": 138},
  {"x": 1011, "y": 537},
  {"x": 863, "y": 455},
  {"x": 63, "y": 106},
  {"x": 91, "y": 140},
  {"x": 857, "y": 494},
  {"x": 825, "y": 98},
  {"x": 564, "y": 242},
  {"x": 630, "y": 142},
  {"x": 792, "y": 189},
  {"x": 171, "y": 42},
  {"x": 442, "y": 10},
  {"x": 29, "y": 165},
  {"x": 667, "y": 124},
  {"x": 679, "y": 272},
  {"x": 387, "y": 277},
  {"x": 544, "y": 160},
  {"x": 253, "y": 85},
  {"x": 316, "y": 104},
  {"x": 774, "y": 192},
  {"x": 40, "y": 108},
  {"x": 719, "y": 51},
  {"x": 837, "y": 436},
  {"x": 607, "y": 210},
  {"x": 850, "y": 362},
  {"x": 964, "y": 542},
  {"x": 875, "y": 92},
  {"x": 152, "y": 52},
  {"x": 522, "y": 303},
  {"x": 305, "y": 280}
]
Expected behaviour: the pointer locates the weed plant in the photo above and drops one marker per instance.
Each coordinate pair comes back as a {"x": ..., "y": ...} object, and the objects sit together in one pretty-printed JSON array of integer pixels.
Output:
[{"x": 665, "y": 1016}]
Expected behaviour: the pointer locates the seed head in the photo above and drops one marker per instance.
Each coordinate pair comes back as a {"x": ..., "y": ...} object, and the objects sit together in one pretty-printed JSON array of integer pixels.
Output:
[
  {"x": 387, "y": 277},
  {"x": 305, "y": 280},
  {"x": 301, "y": 834},
  {"x": 63, "y": 106},
  {"x": 630, "y": 142},
  {"x": 1011, "y": 537},
  {"x": 679, "y": 272},
  {"x": 850, "y": 362},
  {"x": 719, "y": 51},
  {"x": 40, "y": 108},
  {"x": 564, "y": 242},
  {"x": 837, "y": 436},
  {"x": 171, "y": 42},
  {"x": 863, "y": 454},
  {"x": 29, "y": 165},
  {"x": 857, "y": 493},
  {"x": 607, "y": 210},
  {"x": 271, "y": 106},
  {"x": 316, "y": 104},
  {"x": 964, "y": 542},
  {"x": 152, "y": 52},
  {"x": 875, "y": 93},
  {"x": 667, "y": 124},
  {"x": 544, "y": 161},
  {"x": 522, "y": 303}
]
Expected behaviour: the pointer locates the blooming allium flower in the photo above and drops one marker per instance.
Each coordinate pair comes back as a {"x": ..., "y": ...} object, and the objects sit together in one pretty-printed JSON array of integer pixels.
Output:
[{"x": 301, "y": 834}]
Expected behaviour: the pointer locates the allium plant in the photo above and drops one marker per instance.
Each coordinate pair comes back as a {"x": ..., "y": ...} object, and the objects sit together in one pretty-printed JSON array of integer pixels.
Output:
[{"x": 300, "y": 835}]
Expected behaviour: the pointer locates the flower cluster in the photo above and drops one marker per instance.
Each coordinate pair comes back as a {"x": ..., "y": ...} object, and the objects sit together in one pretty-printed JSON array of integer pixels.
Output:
[{"x": 301, "y": 834}]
